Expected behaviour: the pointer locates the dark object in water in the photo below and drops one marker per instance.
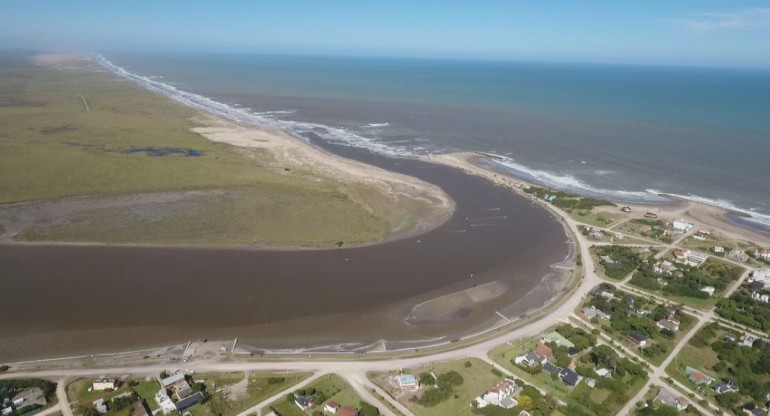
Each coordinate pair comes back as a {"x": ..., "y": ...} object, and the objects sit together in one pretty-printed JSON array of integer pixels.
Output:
[{"x": 163, "y": 151}]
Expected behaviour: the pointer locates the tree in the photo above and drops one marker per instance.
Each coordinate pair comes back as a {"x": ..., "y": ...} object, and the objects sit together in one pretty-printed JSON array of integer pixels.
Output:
[
  {"x": 4, "y": 368},
  {"x": 526, "y": 402},
  {"x": 88, "y": 411},
  {"x": 426, "y": 379}
]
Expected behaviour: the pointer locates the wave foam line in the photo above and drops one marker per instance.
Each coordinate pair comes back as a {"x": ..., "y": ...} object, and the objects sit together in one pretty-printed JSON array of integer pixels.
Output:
[
  {"x": 332, "y": 134},
  {"x": 747, "y": 214}
]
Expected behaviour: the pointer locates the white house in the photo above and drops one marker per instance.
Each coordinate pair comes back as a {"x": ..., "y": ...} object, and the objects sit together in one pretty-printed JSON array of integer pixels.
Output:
[
  {"x": 762, "y": 274},
  {"x": 760, "y": 297},
  {"x": 670, "y": 398},
  {"x": 708, "y": 289},
  {"x": 104, "y": 384},
  {"x": 165, "y": 403},
  {"x": 738, "y": 255},
  {"x": 696, "y": 258},
  {"x": 764, "y": 254},
  {"x": 719, "y": 249},
  {"x": 331, "y": 407},
  {"x": 100, "y": 406},
  {"x": 604, "y": 372},
  {"x": 664, "y": 267},
  {"x": 530, "y": 359},
  {"x": 500, "y": 395},
  {"x": 683, "y": 225}
]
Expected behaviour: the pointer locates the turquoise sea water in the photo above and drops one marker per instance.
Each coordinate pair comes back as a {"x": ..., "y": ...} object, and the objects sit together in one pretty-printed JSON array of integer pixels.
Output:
[{"x": 620, "y": 132}]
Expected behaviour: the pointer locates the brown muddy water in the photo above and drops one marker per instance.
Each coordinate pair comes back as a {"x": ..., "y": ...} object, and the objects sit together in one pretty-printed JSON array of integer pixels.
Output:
[{"x": 63, "y": 300}]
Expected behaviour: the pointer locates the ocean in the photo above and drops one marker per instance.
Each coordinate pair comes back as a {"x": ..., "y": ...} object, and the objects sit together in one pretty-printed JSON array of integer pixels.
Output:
[{"x": 621, "y": 132}]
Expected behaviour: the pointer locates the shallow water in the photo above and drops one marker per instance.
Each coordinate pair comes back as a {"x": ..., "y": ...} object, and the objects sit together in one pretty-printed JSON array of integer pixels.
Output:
[{"x": 68, "y": 300}]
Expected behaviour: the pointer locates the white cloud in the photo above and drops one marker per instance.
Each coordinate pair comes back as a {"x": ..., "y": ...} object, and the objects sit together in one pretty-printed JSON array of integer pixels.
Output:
[{"x": 706, "y": 22}]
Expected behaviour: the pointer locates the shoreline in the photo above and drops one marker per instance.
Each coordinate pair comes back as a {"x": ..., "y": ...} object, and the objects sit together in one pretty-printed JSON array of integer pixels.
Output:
[{"x": 704, "y": 215}]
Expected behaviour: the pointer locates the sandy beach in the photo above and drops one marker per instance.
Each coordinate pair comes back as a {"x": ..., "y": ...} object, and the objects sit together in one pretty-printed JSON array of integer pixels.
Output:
[{"x": 705, "y": 216}]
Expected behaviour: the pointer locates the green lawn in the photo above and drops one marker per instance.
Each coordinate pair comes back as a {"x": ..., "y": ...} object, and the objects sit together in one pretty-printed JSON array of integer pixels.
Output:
[
  {"x": 477, "y": 379},
  {"x": 333, "y": 387},
  {"x": 77, "y": 392},
  {"x": 146, "y": 390}
]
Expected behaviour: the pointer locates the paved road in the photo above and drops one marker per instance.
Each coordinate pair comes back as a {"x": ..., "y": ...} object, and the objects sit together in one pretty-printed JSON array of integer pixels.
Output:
[{"x": 61, "y": 395}]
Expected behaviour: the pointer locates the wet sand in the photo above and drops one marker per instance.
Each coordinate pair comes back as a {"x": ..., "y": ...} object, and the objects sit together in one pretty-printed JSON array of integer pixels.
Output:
[{"x": 62, "y": 300}]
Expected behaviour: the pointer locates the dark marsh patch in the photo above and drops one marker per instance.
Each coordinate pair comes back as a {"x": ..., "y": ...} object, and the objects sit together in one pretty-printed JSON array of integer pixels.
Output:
[
  {"x": 163, "y": 151},
  {"x": 57, "y": 130}
]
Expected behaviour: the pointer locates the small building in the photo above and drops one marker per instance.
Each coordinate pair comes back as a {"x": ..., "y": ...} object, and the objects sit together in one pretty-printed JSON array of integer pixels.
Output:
[
  {"x": 696, "y": 258},
  {"x": 637, "y": 340},
  {"x": 100, "y": 406},
  {"x": 752, "y": 410},
  {"x": 626, "y": 209},
  {"x": 596, "y": 234},
  {"x": 722, "y": 388},
  {"x": 104, "y": 384},
  {"x": 569, "y": 377},
  {"x": 760, "y": 297},
  {"x": 668, "y": 323},
  {"x": 166, "y": 405},
  {"x": 530, "y": 359},
  {"x": 708, "y": 289},
  {"x": 664, "y": 267},
  {"x": 607, "y": 260},
  {"x": 557, "y": 339},
  {"x": 140, "y": 409},
  {"x": 499, "y": 395},
  {"x": 171, "y": 382},
  {"x": 406, "y": 381},
  {"x": 739, "y": 255},
  {"x": 304, "y": 402},
  {"x": 331, "y": 407},
  {"x": 189, "y": 401},
  {"x": 668, "y": 397},
  {"x": 348, "y": 411},
  {"x": 590, "y": 382},
  {"x": 645, "y": 228},
  {"x": 697, "y": 377},
  {"x": 592, "y": 312},
  {"x": 603, "y": 372},
  {"x": 719, "y": 250},
  {"x": 748, "y": 341},
  {"x": 681, "y": 254},
  {"x": 650, "y": 214},
  {"x": 764, "y": 254},
  {"x": 544, "y": 350},
  {"x": 682, "y": 225}
]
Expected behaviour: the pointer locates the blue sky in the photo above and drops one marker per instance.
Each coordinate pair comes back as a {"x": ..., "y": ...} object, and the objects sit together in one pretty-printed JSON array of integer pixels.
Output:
[{"x": 682, "y": 32}]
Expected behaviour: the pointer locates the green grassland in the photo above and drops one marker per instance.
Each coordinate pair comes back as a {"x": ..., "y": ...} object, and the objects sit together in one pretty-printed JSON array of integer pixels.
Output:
[
  {"x": 477, "y": 379},
  {"x": 332, "y": 386},
  {"x": 52, "y": 148}
]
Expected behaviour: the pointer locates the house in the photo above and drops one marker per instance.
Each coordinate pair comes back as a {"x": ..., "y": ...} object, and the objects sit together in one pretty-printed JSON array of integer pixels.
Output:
[
  {"x": 331, "y": 407},
  {"x": 668, "y": 397},
  {"x": 569, "y": 377},
  {"x": 607, "y": 260},
  {"x": 696, "y": 258},
  {"x": 645, "y": 228},
  {"x": 637, "y": 340},
  {"x": 406, "y": 381},
  {"x": 752, "y": 410},
  {"x": 530, "y": 359},
  {"x": 730, "y": 337},
  {"x": 550, "y": 368},
  {"x": 719, "y": 250},
  {"x": 697, "y": 377},
  {"x": 500, "y": 395},
  {"x": 748, "y": 341},
  {"x": 626, "y": 209},
  {"x": 649, "y": 214},
  {"x": 668, "y": 323},
  {"x": 544, "y": 350},
  {"x": 681, "y": 254},
  {"x": 572, "y": 351},
  {"x": 757, "y": 285},
  {"x": 708, "y": 289},
  {"x": 596, "y": 234},
  {"x": 764, "y": 254},
  {"x": 591, "y": 382},
  {"x": 603, "y": 372},
  {"x": 557, "y": 339},
  {"x": 100, "y": 406},
  {"x": 607, "y": 295},
  {"x": 165, "y": 403},
  {"x": 348, "y": 411},
  {"x": 189, "y": 401},
  {"x": 140, "y": 409},
  {"x": 104, "y": 384},
  {"x": 304, "y": 402},
  {"x": 724, "y": 388},
  {"x": 761, "y": 274},
  {"x": 738, "y": 255},
  {"x": 171, "y": 382},
  {"x": 592, "y": 312},
  {"x": 682, "y": 225},
  {"x": 760, "y": 297},
  {"x": 700, "y": 235},
  {"x": 664, "y": 267}
]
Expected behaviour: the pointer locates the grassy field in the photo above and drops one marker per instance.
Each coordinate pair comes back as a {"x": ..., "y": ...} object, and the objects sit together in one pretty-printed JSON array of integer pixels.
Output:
[
  {"x": 146, "y": 390},
  {"x": 52, "y": 148},
  {"x": 477, "y": 379},
  {"x": 332, "y": 386},
  {"x": 77, "y": 392}
]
